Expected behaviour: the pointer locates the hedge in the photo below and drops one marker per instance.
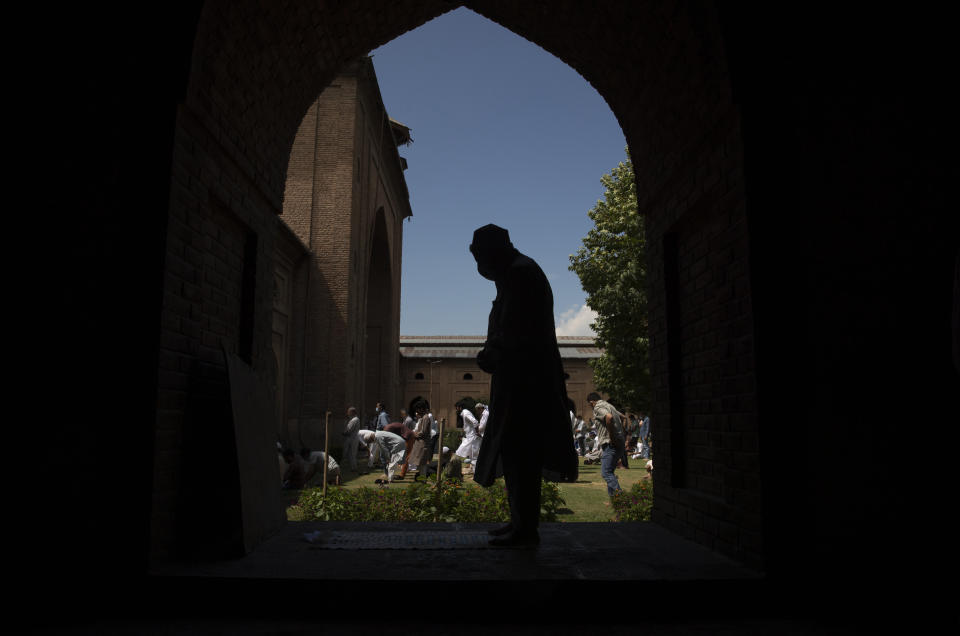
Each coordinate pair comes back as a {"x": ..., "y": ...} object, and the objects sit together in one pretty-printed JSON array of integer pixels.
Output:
[{"x": 451, "y": 502}]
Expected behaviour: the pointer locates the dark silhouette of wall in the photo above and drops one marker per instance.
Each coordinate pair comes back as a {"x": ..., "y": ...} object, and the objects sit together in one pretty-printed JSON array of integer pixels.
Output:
[{"x": 792, "y": 165}]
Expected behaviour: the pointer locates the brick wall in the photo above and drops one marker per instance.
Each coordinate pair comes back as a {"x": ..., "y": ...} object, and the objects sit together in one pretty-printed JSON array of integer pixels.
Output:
[
  {"x": 449, "y": 377},
  {"x": 227, "y": 255},
  {"x": 318, "y": 207},
  {"x": 218, "y": 290},
  {"x": 345, "y": 197},
  {"x": 291, "y": 274}
]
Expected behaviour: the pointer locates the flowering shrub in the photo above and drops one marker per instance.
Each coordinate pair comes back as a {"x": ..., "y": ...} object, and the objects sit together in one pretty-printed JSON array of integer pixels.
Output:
[
  {"x": 478, "y": 505},
  {"x": 550, "y": 501},
  {"x": 634, "y": 504},
  {"x": 451, "y": 502}
]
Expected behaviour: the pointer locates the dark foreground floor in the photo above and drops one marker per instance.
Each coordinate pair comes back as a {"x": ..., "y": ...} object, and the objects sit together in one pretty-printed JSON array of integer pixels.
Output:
[
  {"x": 426, "y": 579},
  {"x": 346, "y": 552}
]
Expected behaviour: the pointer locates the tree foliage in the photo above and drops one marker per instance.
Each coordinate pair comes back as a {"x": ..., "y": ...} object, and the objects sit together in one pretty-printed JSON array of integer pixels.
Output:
[{"x": 611, "y": 265}]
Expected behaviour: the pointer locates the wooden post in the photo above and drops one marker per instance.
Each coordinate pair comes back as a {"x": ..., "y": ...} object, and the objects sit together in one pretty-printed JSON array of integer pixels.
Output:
[
  {"x": 440, "y": 449},
  {"x": 326, "y": 453},
  {"x": 626, "y": 433}
]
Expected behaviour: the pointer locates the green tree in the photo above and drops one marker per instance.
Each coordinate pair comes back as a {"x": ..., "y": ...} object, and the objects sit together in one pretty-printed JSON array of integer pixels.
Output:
[{"x": 612, "y": 269}]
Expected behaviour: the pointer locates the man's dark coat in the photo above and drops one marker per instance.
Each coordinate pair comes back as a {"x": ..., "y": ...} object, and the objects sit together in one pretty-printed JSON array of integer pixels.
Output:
[{"x": 528, "y": 395}]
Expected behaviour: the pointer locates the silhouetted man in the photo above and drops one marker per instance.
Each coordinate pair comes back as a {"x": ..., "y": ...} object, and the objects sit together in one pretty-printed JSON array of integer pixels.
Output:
[{"x": 528, "y": 430}]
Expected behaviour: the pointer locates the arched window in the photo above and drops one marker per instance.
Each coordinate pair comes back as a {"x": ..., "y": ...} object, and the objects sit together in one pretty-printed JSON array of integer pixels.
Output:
[
  {"x": 418, "y": 376},
  {"x": 467, "y": 376}
]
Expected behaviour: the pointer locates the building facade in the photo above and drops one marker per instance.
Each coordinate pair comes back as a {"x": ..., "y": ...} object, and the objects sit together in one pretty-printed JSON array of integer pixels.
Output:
[
  {"x": 444, "y": 370},
  {"x": 345, "y": 200}
]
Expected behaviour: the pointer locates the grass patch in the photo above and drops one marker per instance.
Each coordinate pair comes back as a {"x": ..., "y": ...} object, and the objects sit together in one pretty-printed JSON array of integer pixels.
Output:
[{"x": 584, "y": 500}]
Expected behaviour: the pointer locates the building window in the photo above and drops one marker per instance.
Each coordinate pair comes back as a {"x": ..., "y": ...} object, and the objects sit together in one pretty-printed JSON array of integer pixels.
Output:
[
  {"x": 467, "y": 376},
  {"x": 418, "y": 376}
]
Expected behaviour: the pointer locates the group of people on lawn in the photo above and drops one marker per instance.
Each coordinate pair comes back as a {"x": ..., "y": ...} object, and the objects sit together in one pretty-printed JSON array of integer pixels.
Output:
[
  {"x": 635, "y": 429},
  {"x": 610, "y": 439},
  {"x": 397, "y": 446}
]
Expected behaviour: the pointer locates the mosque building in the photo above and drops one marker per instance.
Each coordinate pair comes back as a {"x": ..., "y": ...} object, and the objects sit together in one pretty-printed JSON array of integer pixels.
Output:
[{"x": 444, "y": 370}]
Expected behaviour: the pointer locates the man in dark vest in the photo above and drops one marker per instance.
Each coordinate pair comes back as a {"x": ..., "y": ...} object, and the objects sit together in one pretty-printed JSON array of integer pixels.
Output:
[{"x": 528, "y": 431}]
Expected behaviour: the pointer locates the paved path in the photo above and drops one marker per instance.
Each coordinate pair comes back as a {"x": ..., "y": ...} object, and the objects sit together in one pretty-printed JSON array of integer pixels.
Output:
[
  {"x": 375, "y": 578},
  {"x": 569, "y": 551}
]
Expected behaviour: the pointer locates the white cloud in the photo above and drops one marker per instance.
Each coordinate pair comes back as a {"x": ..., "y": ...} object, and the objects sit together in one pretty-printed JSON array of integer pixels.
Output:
[{"x": 576, "y": 321}]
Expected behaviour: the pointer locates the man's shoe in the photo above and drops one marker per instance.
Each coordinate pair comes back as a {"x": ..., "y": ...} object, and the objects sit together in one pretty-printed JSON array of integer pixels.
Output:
[
  {"x": 499, "y": 532},
  {"x": 513, "y": 540}
]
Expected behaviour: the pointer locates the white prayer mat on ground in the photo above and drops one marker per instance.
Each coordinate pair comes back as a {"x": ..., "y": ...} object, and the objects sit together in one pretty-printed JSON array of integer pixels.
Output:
[{"x": 399, "y": 540}]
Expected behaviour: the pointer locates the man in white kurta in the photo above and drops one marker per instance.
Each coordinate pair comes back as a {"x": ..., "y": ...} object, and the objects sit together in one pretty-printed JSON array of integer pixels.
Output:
[
  {"x": 471, "y": 440},
  {"x": 484, "y": 412},
  {"x": 391, "y": 448},
  {"x": 314, "y": 460}
]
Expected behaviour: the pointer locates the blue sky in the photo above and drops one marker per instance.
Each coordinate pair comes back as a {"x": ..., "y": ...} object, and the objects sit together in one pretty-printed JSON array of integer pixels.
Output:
[{"x": 503, "y": 132}]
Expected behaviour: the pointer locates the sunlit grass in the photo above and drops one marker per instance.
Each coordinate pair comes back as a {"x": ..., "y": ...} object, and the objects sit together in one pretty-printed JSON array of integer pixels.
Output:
[{"x": 586, "y": 499}]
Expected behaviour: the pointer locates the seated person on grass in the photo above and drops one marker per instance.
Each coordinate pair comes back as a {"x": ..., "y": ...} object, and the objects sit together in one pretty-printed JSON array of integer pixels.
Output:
[
  {"x": 314, "y": 462},
  {"x": 448, "y": 461},
  {"x": 296, "y": 474}
]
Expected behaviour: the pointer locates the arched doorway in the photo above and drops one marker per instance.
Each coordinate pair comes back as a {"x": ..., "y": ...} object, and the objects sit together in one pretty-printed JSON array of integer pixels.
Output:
[
  {"x": 690, "y": 123},
  {"x": 382, "y": 328}
]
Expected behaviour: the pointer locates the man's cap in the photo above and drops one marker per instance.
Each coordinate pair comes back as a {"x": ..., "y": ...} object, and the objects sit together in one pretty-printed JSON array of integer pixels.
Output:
[{"x": 490, "y": 236}]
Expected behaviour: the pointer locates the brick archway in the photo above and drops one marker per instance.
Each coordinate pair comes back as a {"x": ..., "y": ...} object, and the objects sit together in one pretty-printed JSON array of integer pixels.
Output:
[
  {"x": 255, "y": 74},
  {"x": 794, "y": 180}
]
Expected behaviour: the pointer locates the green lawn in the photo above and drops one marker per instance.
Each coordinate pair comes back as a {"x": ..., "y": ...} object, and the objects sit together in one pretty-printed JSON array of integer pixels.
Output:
[{"x": 586, "y": 499}]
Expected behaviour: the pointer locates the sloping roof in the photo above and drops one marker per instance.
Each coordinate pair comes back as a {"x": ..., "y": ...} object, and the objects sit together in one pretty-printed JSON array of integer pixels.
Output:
[
  {"x": 401, "y": 133},
  {"x": 442, "y": 340},
  {"x": 468, "y": 346},
  {"x": 431, "y": 351},
  {"x": 561, "y": 340},
  {"x": 580, "y": 352}
]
